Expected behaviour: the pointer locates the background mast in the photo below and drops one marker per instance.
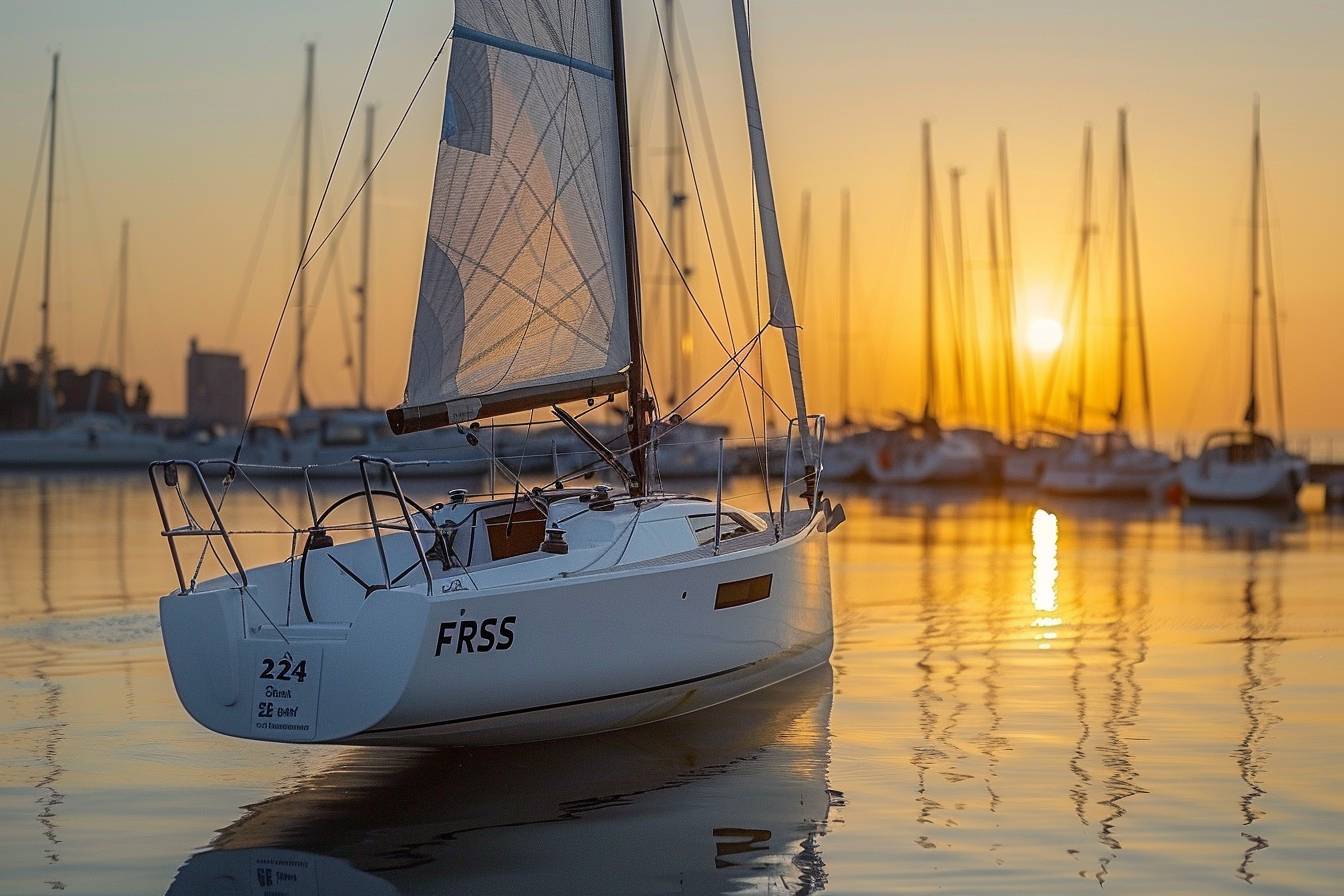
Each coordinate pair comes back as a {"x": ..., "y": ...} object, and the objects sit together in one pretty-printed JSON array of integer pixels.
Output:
[
  {"x": 305, "y": 164},
  {"x": 364, "y": 260},
  {"x": 46, "y": 404}
]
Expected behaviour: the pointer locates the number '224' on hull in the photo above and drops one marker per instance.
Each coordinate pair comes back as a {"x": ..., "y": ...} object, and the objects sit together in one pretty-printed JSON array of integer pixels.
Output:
[{"x": 560, "y": 658}]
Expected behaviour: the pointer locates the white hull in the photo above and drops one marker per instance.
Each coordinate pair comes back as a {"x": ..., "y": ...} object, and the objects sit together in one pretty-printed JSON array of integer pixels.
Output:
[
  {"x": 1106, "y": 465},
  {"x": 1275, "y": 480},
  {"x": 80, "y": 446},
  {"x": 567, "y": 654},
  {"x": 847, "y": 459},
  {"x": 1106, "y": 480},
  {"x": 1023, "y": 466},
  {"x": 895, "y": 459}
]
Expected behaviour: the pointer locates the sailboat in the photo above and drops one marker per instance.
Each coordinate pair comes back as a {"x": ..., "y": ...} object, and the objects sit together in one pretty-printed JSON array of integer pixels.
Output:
[
  {"x": 558, "y": 611},
  {"x": 1248, "y": 465},
  {"x": 1108, "y": 462},
  {"x": 919, "y": 450},
  {"x": 87, "y": 437},
  {"x": 1025, "y": 463},
  {"x": 847, "y": 454}
]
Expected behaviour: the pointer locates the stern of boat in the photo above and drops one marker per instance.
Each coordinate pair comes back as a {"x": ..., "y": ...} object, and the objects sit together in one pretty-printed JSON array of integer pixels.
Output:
[{"x": 239, "y": 673}]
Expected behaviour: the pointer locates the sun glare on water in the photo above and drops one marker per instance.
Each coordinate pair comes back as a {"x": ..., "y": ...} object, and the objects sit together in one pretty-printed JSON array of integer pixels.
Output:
[{"x": 1044, "y": 336}]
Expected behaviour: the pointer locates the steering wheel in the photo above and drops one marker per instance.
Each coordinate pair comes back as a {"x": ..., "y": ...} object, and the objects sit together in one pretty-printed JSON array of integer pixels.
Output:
[{"x": 308, "y": 545}]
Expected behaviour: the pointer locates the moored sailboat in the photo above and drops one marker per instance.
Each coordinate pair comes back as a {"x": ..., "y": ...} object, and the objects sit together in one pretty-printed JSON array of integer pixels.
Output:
[
  {"x": 558, "y": 611},
  {"x": 85, "y": 436},
  {"x": 920, "y": 450},
  {"x": 1249, "y": 466},
  {"x": 1108, "y": 463}
]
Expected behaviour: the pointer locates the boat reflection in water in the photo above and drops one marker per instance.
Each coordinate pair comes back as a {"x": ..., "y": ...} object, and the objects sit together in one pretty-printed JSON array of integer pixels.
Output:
[
  {"x": 713, "y": 802},
  {"x": 1244, "y": 526}
]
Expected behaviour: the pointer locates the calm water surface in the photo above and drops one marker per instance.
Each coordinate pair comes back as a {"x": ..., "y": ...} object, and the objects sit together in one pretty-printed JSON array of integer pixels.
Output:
[{"x": 1025, "y": 697}]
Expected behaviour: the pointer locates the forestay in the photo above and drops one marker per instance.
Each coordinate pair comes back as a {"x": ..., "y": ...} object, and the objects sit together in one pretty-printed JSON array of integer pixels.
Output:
[{"x": 523, "y": 287}]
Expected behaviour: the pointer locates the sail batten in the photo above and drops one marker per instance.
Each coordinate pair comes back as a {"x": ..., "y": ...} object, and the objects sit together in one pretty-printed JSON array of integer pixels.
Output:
[{"x": 523, "y": 289}]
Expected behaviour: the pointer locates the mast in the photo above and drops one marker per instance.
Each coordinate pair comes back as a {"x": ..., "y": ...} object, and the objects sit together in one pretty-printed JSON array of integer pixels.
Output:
[
  {"x": 45, "y": 399},
  {"x": 305, "y": 164},
  {"x": 364, "y": 235},
  {"x": 1084, "y": 270},
  {"x": 846, "y": 274},
  {"x": 123, "y": 301},
  {"x": 996, "y": 290},
  {"x": 1252, "y": 415},
  {"x": 1122, "y": 255},
  {"x": 1273, "y": 309},
  {"x": 678, "y": 329},
  {"x": 1009, "y": 290},
  {"x": 1140, "y": 328},
  {"x": 639, "y": 402},
  {"x": 777, "y": 277},
  {"x": 930, "y": 362},
  {"x": 959, "y": 354}
]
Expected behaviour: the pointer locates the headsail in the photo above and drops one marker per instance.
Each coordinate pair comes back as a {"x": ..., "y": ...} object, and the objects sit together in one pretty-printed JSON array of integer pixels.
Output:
[
  {"x": 523, "y": 291},
  {"x": 777, "y": 278}
]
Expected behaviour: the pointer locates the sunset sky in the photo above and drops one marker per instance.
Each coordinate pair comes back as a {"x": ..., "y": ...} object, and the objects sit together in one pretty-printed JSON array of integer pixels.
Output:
[{"x": 177, "y": 117}]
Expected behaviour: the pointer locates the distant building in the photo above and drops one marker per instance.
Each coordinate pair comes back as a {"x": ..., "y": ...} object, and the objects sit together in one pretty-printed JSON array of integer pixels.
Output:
[
  {"x": 94, "y": 391},
  {"x": 216, "y": 388}
]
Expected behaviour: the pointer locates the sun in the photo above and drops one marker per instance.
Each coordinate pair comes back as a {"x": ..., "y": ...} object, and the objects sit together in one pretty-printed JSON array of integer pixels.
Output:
[{"x": 1044, "y": 336}]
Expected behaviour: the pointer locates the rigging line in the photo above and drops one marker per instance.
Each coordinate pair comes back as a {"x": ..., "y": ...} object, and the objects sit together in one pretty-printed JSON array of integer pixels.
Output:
[
  {"x": 745, "y": 349},
  {"x": 760, "y": 351},
  {"x": 721, "y": 193},
  {"x": 699, "y": 200},
  {"x": 304, "y": 258},
  {"x": 75, "y": 150},
  {"x": 23, "y": 237},
  {"x": 1273, "y": 301},
  {"x": 735, "y": 359},
  {"x": 697, "y": 304},
  {"x": 690, "y": 161},
  {"x": 263, "y": 229},
  {"x": 1138, "y": 314},
  {"x": 397, "y": 130}
]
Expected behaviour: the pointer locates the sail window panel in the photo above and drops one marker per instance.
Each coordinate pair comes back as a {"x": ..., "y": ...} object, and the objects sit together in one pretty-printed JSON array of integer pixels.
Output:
[{"x": 523, "y": 284}]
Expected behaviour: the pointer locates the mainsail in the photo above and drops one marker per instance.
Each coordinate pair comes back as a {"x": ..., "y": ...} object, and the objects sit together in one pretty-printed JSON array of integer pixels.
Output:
[{"x": 523, "y": 290}]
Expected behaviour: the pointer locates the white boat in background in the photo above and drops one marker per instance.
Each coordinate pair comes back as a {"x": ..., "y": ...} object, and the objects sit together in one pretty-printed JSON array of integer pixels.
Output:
[
  {"x": 845, "y": 458},
  {"x": 1109, "y": 463},
  {"x": 1024, "y": 463},
  {"x": 685, "y": 449},
  {"x": 1027, "y": 457},
  {"x": 87, "y": 440},
  {"x": 88, "y": 437},
  {"x": 1105, "y": 464},
  {"x": 325, "y": 441},
  {"x": 1241, "y": 466},
  {"x": 919, "y": 450},
  {"x": 556, "y": 611},
  {"x": 1248, "y": 466},
  {"x": 918, "y": 453}
]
